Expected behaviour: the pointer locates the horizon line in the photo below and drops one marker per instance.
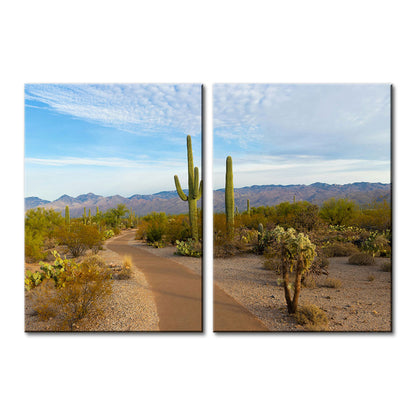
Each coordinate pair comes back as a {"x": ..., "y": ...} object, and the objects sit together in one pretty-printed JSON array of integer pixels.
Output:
[{"x": 218, "y": 189}]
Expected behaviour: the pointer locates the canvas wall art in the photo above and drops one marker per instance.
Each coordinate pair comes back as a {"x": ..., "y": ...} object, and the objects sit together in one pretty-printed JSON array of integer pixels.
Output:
[
  {"x": 112, "y": 207},
  {"x": 302, "y": 207}
]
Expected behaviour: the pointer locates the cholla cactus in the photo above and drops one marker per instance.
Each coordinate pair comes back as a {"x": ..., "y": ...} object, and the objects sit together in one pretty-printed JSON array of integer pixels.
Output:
[
  {"x": 296, "y": 253},
  {"x": 194, "y": 192}
]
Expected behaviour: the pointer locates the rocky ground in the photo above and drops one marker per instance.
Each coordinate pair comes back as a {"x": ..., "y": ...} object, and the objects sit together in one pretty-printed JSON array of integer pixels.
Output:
[
  {"x": 130, "y": 307},
  {"x": 362, "y": 303}
]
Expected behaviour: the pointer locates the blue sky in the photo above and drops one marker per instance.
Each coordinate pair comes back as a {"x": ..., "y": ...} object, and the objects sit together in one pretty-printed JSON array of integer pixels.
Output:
[
  {"x": 301, "y": 133},
  {"x": 109, "y": 138}
]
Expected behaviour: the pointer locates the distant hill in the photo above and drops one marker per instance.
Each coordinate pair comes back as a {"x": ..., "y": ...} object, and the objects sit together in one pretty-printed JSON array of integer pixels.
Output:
[
  {"x": 167, "y": 201},
  {"x": 260, "y": 195}
]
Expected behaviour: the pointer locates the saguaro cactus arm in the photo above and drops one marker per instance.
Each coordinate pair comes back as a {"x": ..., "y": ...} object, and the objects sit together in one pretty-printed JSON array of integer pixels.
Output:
[{"x": 181, "y": 194}]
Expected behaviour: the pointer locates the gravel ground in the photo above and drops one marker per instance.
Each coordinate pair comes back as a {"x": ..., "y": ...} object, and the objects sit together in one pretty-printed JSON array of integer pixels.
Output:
[
  {"x": 358, "y": 305},
  {"x": 131, "y": 306}
]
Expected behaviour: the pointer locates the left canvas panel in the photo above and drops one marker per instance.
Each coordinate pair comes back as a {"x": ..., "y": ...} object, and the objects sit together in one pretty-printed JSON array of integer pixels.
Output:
[{"x": 113, "y": 219}]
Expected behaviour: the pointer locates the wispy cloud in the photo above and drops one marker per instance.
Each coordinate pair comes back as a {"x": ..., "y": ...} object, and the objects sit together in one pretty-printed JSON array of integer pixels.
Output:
[
  {"x": 256, "y": 169},
  {"x": 136, "y": 108},
  {"x": 105, "y": 162},
  {"x": 343, "y": 120}
]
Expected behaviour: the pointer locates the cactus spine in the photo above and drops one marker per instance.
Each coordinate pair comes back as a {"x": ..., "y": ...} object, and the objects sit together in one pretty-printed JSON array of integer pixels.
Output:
[
  {"x": 248, "y": 207},
  {"x": 67, "y": 217},
  {"x": 194, "y": 192},
  {"x": 229, "y": 195}
]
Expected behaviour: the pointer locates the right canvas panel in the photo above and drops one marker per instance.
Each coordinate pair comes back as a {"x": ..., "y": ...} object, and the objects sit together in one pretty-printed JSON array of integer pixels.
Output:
[{"x": 302, "y": 207}]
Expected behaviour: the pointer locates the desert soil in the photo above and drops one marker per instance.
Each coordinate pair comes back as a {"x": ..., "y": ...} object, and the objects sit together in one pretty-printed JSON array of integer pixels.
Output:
[
  {"x": 358, "y": 305},
  {"x": 131, "y": 306}
]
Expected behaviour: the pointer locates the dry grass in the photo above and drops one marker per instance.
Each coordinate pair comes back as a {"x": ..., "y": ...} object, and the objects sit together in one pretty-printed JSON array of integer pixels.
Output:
[
  {"x": 361, "y": 259},
  {"x": 340, "y": 249},
  {"x": 312, "y": 318},
  {"x": 332, "y": 283},
  {"x": 86, "y": 285}
]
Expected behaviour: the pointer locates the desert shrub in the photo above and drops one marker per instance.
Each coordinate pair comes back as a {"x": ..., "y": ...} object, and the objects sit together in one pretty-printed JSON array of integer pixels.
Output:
[
  {"x": 312, "y": 317},
  {"x": 376, "y": 243},
  {"x": 228, "y": 246},
  {"x": 70, "y": 290},
  {"x": 79, "y": 237},
  {"x": 340, "y": 249},
  {"x": 302, "y": 216},
  {"x": 377, "y": 216},
  {"x": 386, "y": 267},
  {"x": 371, "y": 278},
  {"x": 308, "y": 281},
  {"x": 177, "y": 228},
  {"x": 34, "y": 249},
  {"x": 41, "y": 226},
  {"x": 332, "y": 282},
  {"x": 126, "y": 270},
  {"x": 44, "y": 299},
  {"x": 361, "y": 259},
  {"x": 190, "y": 248},
  {"x": 338, "y": 211}
]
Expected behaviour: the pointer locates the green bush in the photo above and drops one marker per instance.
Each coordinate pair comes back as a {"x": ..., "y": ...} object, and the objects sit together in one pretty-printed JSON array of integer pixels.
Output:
[
  {"x": 79, "y": 237},
  {"x": 361, "y": 259},
  {"x": 41, "y": 226}
]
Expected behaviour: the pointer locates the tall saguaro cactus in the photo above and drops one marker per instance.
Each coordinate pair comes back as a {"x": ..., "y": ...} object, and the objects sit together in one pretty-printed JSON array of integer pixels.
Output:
[
  {"x": 194, "y": 192},
  {"x": 229, "y": 195},
  {"x": 248, "y": 207}
]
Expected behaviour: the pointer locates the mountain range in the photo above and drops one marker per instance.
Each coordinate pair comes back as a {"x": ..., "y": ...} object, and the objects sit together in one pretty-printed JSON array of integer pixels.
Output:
[{"x": 259, "y": 195}]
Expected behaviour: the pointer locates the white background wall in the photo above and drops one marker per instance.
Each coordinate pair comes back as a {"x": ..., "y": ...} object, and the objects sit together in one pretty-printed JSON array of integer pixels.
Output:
[{"x": 207, "y": 42}]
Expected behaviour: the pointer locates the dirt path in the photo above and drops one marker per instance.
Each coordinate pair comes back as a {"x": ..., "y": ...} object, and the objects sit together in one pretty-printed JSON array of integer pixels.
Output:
[
  {"x": 177, "y": 290},
  {"x": 229, "y": 315}
]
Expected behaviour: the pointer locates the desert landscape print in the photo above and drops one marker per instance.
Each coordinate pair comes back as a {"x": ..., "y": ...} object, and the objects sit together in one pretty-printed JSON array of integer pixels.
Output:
[
  {"x": 113, "y": 218},
  {"x": 302, "y": 207}
]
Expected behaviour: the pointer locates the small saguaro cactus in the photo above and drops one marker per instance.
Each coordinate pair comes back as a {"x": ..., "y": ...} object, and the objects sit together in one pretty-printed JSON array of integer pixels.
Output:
[
  {"x": 194, "y": 190},
  {"x": 67, "y": 217},
  {"x": 229, "y": 196},
  {"x": 248, "y": 207},
  {"x": 89, "y": 216},
  {"x": 84, "y": 216}
]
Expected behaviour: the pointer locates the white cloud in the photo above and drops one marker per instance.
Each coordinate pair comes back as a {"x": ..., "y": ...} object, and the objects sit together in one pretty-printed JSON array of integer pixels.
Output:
[
  {"x": 138, "y": 108},
  {"x": 331, "y": 121},
  {"x": 107, "y": 162}
]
